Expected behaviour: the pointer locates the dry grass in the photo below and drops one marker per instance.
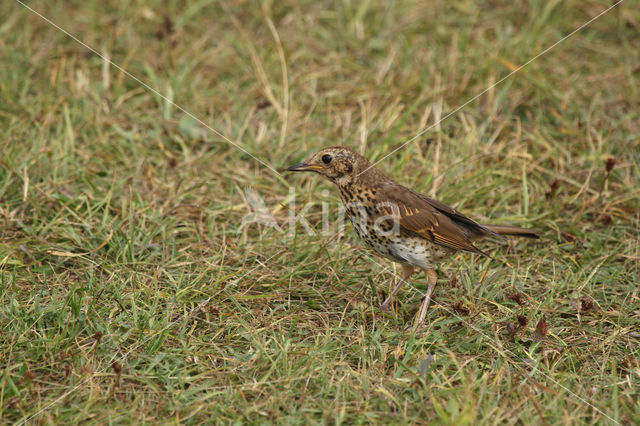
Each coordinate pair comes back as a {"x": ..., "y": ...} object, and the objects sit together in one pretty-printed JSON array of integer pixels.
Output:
[{"x": 130, "y": 291}]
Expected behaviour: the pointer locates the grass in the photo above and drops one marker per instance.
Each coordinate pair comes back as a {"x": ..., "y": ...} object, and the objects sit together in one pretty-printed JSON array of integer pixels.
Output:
[{"x": 130, "y": 292}]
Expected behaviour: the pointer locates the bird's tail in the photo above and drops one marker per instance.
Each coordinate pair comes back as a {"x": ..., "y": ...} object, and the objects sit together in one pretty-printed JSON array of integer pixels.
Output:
[{"x": 512, "y": 230}]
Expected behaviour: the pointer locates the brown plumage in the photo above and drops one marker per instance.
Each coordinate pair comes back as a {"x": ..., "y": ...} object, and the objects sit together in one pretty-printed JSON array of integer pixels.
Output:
[{"x": 398, "y": 223}]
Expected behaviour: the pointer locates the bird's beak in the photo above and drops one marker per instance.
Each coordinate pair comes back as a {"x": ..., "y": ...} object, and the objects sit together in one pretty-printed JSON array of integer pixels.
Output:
[{"x": 304, "y": 167}]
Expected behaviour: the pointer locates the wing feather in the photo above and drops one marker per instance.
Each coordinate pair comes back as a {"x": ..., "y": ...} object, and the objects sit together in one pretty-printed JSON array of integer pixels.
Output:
[{"x": 436, "y": 222}]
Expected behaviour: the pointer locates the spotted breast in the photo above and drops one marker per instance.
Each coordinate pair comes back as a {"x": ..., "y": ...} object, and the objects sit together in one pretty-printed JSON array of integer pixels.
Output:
[{"x": 377, "y": 229}]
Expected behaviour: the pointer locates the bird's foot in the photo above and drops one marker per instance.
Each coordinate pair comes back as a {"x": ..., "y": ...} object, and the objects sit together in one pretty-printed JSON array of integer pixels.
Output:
[
  {"x": 386, "y": 305},
  {"x": 415, "y": 326},
  {"x": 418, "y": 325}
]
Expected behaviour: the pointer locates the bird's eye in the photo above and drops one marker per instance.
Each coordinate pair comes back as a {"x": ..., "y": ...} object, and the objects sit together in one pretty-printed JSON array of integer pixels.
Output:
[{"x": 326, "y": 159}]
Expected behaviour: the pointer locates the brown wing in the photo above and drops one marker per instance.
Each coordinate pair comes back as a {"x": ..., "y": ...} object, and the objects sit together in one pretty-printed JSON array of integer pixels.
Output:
[{"x": 430, "y": 219}]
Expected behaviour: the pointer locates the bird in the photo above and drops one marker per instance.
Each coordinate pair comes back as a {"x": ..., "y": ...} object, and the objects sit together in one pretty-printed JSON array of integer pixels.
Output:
[{"x": 398, "y": 223}]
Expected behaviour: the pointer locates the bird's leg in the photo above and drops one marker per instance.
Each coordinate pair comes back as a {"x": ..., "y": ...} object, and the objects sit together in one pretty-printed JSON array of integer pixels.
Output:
[
  {"x": 432, "y": 279},
  {"x": 407, "y": 271}
]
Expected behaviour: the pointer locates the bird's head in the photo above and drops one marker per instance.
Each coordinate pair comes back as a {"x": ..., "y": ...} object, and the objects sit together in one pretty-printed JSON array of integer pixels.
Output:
[{"x": 341, "y": 165}]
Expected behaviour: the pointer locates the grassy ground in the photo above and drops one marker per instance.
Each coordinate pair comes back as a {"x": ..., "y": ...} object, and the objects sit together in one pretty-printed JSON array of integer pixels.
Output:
[{"x": 130, "y": 292}]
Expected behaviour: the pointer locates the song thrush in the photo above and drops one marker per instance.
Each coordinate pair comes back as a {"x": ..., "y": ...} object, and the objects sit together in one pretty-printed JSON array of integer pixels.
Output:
[{"x": 398, "y": 223}]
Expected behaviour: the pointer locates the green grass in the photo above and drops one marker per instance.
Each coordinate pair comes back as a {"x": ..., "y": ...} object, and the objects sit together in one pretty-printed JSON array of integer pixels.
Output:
[{"x": 170, "y": 311}]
